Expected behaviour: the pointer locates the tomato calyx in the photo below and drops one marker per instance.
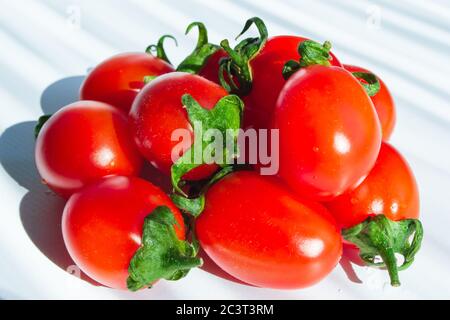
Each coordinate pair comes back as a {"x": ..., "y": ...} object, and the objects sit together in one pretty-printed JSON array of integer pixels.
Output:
[
  {"x": 380, "y": 236},
  {"x": 202, "y": 52},
  {"x": 195, "y": 204},
  {"x": 224, "y": 120},
  {"x": 311, "y": 53},
  {"x": 370, "y": 82},
  {"x": 162, "y": 255},
  {"x": 237, "y": 66},
  {"x": 159, "y": 48},
  {"x": 40, "y": 123}
]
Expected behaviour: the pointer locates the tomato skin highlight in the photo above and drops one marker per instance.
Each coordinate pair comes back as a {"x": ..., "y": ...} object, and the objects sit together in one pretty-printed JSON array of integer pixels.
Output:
[
  {"x": 119, "y": 79},
  {"x": 102, "y": 226},
  {"x": 384, "y": 105},
  {"x": 389, "y": 189},
  {"x": 329, "y": 132},
  {"x": 158, "y": 111},
  {"x": 266, "y": 236},
  {"x": 268, "y": 79},
  {"x": 82, "y": 143}
]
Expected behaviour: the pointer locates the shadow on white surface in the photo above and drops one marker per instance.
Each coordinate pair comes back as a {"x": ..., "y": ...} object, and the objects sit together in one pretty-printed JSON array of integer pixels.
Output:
[
  {"x": 40, "y": 208},
  {"x": 61, "y": 93},
  {"x": 350, "y": 257}
]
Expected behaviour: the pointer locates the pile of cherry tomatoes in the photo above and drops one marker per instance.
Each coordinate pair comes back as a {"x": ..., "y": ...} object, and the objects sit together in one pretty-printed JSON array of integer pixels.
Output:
[{"x": 339, "y": 182}]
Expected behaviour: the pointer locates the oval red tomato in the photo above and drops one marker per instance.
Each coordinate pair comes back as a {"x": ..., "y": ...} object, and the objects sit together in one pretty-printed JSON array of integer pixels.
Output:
[
  {"x": 389, "y": 189},
  {"x": 329, "y": 132},
  {"x": 384, "y": 105},
  {"x": 380, "y": 215},
  {"x": 82, "y": 143},
  {"x": 158, "y": 111},
  {"x": 119, "y": 79},
  {"x": 260, "y": 233},
  {"x": 102, "y": 226}
]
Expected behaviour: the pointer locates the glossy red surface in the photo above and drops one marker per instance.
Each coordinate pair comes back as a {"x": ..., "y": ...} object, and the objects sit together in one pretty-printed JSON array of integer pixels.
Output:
[
  {"x": 102, "y": 226},
  {"x": 329, "y": 132},
  {"x": 389, "y": 189},
  {"x": 260, "y": 233},
  {"x": 82, "y": 143},
  {"x": 119, "y": 79}
]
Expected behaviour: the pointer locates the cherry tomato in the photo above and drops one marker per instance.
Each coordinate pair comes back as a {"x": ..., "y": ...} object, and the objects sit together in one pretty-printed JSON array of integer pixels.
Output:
[
  {"x": 329, "y": 132},
  {"x": 82, "y": 143},
  {"x": 389, "y": 189},
  {"x": 379, "y": 217},
  {"x": 268, "y": 79},
  {"x": 384, "y": 105},
  {"x": 158, "y": 111},
  {"x": 102, "y": 226},
  {"x": 260, "y": 233},
  {"x": 119, "y": 79}
]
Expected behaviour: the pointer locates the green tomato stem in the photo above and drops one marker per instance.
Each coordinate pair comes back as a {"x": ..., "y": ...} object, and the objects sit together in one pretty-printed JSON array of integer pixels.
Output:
[
  {"x": 379, "y": 236},
  {"x": 159, "y": 48}
]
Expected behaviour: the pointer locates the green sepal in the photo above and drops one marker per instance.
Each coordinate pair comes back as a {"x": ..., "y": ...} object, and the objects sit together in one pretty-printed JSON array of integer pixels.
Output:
[
  {"x": 290, "y": 68},
  {"x": 194, "y": 242},
  {"x": 40, "y": 123},
  {"x": 371, "y": 85},
  {"x": 162, "y": 255},
  {"x": 195, "y": 206},
  {"x": 202, "y": 52},
  {"x": 311, "y": 53},
  {"x": 159, "y": 48},
  {"x": 237, "y": 66},
  {"x": 192, "y": 206},
  {"x": 379, "y": 236},
  {"x": 225, "y": 119},
  {"x": 219, "y": 175}
]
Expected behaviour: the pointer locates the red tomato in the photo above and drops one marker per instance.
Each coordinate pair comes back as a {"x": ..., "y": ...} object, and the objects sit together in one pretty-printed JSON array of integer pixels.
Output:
[
  {"x": 380, "y": 215},
  {"x": 119, "y": 79},
  {"x": 210, "y": 70},
  {"x": 82, "y": 143},
  {"x": 158, "y": 111},
  {"x": 384, "y": 105},
  {"x": 268, "y": 79},
  {"x": 329, "y": 132},
  {"x": 389, "y": 189},
  {"x": 266, "y": 236},
  {"x": 102, "y": 226}
]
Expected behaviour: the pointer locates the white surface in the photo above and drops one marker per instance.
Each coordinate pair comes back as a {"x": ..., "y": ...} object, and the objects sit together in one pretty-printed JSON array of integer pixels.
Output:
[{"x": 406, "y": 42}]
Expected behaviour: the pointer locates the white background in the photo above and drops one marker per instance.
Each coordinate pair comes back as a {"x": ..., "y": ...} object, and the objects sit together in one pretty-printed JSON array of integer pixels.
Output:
[{"x": 47, "y": 46}]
